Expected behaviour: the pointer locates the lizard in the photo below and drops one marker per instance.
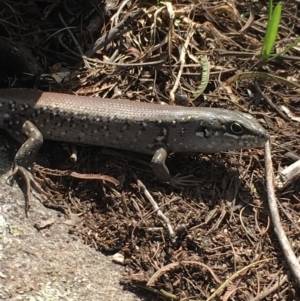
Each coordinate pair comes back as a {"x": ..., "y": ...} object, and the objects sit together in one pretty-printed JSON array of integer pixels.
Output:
[{"x": 30, "y": 116}]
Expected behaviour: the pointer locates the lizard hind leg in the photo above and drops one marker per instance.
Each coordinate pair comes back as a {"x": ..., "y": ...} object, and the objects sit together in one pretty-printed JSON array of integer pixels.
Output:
[{"x": 21, "y": 130}]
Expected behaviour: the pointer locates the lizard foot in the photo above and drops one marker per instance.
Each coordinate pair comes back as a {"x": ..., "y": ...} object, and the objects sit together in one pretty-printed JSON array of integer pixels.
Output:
[
  {"x": 29, "y": 183},
  {"x": 178, "y": 181}
]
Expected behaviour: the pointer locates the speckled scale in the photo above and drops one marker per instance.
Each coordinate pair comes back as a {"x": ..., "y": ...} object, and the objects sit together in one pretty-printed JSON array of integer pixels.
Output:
[{"x": 131, "y": 125}]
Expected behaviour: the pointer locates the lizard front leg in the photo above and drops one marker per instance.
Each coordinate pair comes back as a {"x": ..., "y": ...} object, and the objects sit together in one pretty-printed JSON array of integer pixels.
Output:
[{"x": 162, "y": 172}]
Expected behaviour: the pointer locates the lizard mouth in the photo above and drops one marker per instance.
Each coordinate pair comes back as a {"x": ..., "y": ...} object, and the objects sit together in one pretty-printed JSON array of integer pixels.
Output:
[{"x": 256, "y": 141}]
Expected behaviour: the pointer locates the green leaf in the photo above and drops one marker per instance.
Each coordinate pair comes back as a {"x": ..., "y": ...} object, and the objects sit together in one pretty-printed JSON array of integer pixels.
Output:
[{"x": 272, "y": 29}]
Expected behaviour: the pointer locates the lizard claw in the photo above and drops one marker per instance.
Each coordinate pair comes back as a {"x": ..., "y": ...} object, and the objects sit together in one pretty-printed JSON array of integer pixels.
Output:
[
  {"x": 178, "y": 181},
  {"x": 29, "y": 183}
]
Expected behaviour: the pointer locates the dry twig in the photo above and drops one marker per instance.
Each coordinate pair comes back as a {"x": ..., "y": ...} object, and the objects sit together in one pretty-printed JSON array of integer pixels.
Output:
[
  {"x": 156, "y": 208},
  {"x": 288, "y": 175},
  {"x": 121, "y": 28},
  {"x": 278, "y": 229}
]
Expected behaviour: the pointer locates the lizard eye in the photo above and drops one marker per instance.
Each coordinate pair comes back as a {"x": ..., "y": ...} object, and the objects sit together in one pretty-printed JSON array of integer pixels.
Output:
[{"x": 236, "y": 128}]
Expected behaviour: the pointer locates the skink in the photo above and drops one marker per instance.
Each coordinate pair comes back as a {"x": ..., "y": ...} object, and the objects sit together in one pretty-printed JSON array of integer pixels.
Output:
[{"x": 30, "y": 115}]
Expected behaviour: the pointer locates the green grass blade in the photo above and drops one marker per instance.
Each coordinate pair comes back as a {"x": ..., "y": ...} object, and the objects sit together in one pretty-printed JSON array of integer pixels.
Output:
[
  {"x": 268, "y": 30},
  {"x": 272, "y": 30},
  {"x": 284, "y": 50},
  {"x": 270, "y": 11}
]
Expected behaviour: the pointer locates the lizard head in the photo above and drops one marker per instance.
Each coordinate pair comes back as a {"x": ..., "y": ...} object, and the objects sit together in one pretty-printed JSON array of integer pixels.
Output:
[
  {"x": 232, "y": 131},
  {"x": 214, "y": 130}
]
